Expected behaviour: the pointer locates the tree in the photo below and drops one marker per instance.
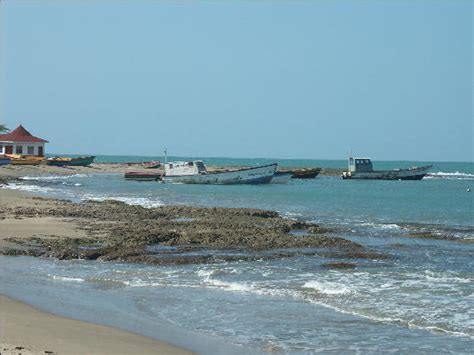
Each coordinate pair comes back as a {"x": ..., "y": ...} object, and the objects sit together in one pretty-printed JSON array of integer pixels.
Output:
[{"x": 3, "y": 128}]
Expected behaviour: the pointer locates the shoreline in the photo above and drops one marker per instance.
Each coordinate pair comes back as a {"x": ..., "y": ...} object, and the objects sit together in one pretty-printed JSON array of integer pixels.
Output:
[
  {"x": 26, "y": 217},
  {"x": 27, "y": 330}
]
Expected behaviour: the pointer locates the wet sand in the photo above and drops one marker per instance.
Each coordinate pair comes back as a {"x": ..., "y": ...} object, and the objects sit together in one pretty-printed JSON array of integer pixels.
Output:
[{"x": 27, "y": 330}]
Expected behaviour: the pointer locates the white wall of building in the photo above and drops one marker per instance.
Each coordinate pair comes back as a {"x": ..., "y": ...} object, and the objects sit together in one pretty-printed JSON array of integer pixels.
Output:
[{"x": 26, "y": 148}]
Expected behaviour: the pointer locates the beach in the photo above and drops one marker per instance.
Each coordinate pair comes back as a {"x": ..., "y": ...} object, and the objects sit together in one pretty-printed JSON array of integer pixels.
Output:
[
  {"x": 27, "y": 330},
  {"x": 216, "y": 269}
]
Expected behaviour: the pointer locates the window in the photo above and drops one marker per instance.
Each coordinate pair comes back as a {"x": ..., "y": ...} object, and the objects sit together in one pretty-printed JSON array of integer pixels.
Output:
[
  {"x": 31, "y": 150},
  {"x": 19, "y": 149},
  {"x": 1, "y": 149}
]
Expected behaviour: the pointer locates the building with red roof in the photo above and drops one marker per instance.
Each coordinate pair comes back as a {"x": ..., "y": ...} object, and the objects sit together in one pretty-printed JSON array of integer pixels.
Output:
[{"x": 20, "y": 141}]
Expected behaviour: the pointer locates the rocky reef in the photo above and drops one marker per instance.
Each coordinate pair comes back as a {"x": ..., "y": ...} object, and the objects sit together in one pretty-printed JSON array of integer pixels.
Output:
[{"x": 175, "y": 234}]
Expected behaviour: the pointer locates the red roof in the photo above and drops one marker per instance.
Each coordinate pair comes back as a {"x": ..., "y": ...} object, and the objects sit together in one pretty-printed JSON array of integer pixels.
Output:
[{"x": 20, "y": 134}]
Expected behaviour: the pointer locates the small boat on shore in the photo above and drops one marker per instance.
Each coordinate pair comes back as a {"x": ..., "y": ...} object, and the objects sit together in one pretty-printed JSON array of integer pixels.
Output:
[
  {"x": 154, "y": 164},
  {"x": 195, "y": 172},
  {"x": 16, "y": 159},
  {"x": 4, "y": 160},
  {"x": 308, "y": 173},
  {"x": 361, "y": 168},
  {"x": 143, "y": 176},
  {"x": 68, "y": 161}
]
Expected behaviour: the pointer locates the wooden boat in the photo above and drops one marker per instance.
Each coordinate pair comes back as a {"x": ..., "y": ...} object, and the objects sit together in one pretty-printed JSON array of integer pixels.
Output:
[
  {"x": 67, "y": 161},
  {"x": 194, "y": 172},
  {"x": 4, "y": 160},
  {"x": 308, "y": 173},
  {"x": 361, "y": 168},
  {"x": 16, "y": 159},
  {"x": 143, "y": 176},
  {"x": 282, "y": 176},
  {"x": 154, "y": 164}
]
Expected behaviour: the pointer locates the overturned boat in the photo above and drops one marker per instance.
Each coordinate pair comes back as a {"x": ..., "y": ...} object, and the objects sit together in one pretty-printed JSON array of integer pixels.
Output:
[
  {"x": 195, "y": 172},
  {"x": 361, "y": 168}
]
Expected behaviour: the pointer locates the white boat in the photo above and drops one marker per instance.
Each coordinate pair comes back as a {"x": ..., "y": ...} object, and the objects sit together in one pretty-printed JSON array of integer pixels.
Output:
[
  {"x": 361, "y": 168},
  {"x": 195, "y": 172}
]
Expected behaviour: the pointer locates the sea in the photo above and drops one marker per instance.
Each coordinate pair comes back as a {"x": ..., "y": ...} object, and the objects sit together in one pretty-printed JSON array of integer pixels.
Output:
[{"x": 419, "y": 300}]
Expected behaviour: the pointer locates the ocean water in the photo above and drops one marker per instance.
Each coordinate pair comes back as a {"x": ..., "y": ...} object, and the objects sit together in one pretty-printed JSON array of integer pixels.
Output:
[{"x": 419, "y": 300}]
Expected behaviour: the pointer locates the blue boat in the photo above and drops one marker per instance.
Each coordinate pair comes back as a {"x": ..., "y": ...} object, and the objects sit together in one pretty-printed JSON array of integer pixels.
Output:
[{"x": 4, "y": 160}]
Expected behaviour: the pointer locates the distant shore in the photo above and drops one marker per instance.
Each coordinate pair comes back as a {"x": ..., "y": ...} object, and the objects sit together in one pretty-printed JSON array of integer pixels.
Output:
[{"x": 104, "y": 168}]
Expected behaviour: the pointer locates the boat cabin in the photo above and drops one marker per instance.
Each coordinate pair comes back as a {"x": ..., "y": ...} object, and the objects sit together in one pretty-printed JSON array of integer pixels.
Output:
[
  {"x": 360, "y": 165},
  {"x": 22, "y": 142},
  {"x": 183, "y": 168}
]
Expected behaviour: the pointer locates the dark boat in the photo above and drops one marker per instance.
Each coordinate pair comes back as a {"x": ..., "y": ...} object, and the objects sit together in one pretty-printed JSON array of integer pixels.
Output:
[
  {"x": 67, "y": 161},
  {"x": 361, "y": 168},
  {"x": 143, "y": 176},
  {"x": 308, "y": 173}
]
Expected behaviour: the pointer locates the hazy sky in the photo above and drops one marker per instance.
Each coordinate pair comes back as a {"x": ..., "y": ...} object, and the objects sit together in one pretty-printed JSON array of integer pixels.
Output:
[{"x": 387, "y": 79}]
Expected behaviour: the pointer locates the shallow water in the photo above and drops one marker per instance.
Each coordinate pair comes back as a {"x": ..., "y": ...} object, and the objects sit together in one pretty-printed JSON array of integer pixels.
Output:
[{"x": 421, "y": 299}]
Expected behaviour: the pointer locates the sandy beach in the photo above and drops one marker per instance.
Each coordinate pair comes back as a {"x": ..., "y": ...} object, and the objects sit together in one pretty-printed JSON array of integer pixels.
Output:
[{"x": 26, "y": 330}]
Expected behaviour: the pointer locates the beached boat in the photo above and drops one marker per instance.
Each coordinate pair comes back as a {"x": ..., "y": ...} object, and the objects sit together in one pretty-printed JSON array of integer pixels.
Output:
[
  {"x": 67, "y": 161},
  {"x": 16, "y": 159},
  {"x": 194, "y": 172},
  {"x": 143, "y": 176},
  {"x": 4, "y": 160},
  {"x": 308, "y": 173},
  {"x": 282, "y": 176},
  {"x": 154, "y": 164},
  {"x": 361, "y": 168}
]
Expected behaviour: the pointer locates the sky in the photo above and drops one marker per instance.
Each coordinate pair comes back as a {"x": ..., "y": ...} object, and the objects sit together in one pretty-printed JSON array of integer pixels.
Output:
[{"x": 286, "y": 79}]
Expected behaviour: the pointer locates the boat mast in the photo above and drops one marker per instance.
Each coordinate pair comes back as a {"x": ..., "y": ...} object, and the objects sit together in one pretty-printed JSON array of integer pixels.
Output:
[{"x": 166, "y": 156}]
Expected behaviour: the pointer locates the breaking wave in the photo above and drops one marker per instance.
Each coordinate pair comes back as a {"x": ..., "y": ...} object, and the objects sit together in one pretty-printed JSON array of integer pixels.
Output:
[
  {"x": 450, "y": 176},
  {"x": 328, "y": 288}
]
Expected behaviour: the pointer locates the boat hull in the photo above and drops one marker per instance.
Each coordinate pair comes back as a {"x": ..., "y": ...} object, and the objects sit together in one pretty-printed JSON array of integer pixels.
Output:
[
  {"x": 26, "y": 161},
  {"x": 82, "y": 161},
  {"x": 138, "y": 176},
  {"x": 306, "y": 173},
  {"x": 282, "y": 177},
  {"x": 400, "y": 174},
  {"x": 258, "y": 175},
  {"x": 5, "y": 161}
]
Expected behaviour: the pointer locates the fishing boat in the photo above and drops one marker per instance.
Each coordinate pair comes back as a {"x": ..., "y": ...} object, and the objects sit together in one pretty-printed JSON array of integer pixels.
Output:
[
  {"x": 68, "y": 161},
  {"x": 143, "y": 176},
  {"x": 361, "y": 168},
  {"x": 308, "y": 173},
  {"x": 195, "y": 172},
  {"x": 16, "y": 159},
  {"x": 4, "y": 160},
  {"x": 282, "y": 176},
  {"x": 154, "y": 164}
]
